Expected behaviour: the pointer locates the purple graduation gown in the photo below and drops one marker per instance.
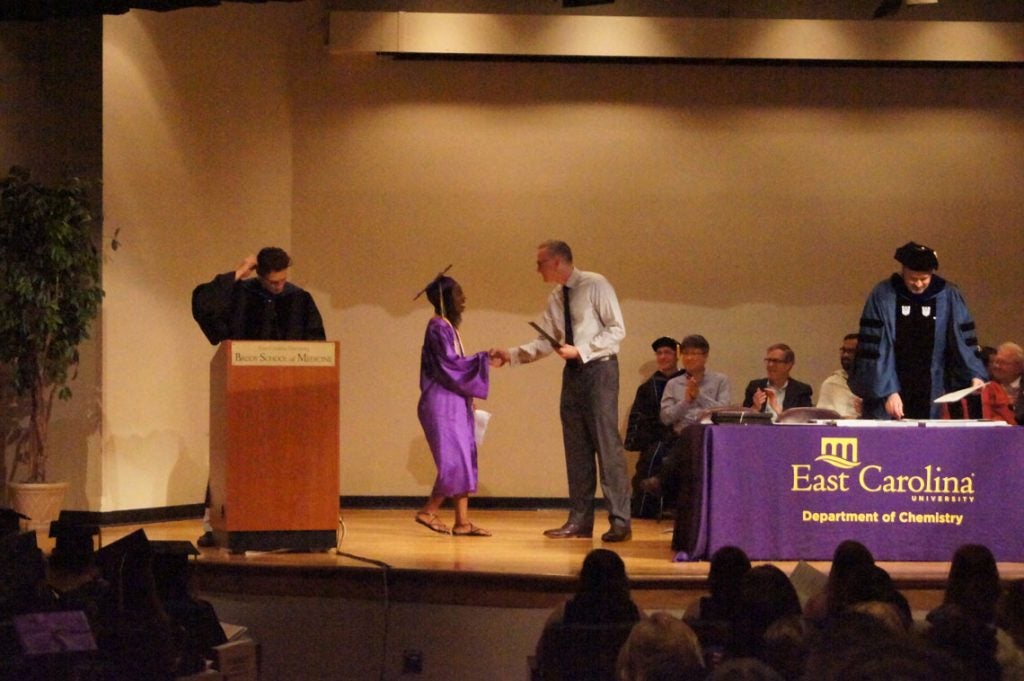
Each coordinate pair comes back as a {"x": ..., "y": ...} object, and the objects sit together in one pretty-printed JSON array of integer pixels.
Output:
[{"x": 448, "y": 384}]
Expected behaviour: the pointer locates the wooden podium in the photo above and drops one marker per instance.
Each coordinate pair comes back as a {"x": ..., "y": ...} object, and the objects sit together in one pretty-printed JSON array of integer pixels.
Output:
[{"x": 274, "y": 445}]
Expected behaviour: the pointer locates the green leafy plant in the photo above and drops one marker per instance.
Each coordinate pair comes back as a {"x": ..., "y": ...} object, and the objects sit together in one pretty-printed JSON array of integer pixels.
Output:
[{"x": 50, "y": 292}]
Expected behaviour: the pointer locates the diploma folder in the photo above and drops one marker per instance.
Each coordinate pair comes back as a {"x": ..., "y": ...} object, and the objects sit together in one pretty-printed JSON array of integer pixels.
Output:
[
  {"x": 547, "y": 336},
  {"x": 958, "y": 395}
]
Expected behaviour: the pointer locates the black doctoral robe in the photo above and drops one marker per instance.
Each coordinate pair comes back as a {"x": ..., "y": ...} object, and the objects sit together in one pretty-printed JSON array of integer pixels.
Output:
[{"x": 226, "y": 309}]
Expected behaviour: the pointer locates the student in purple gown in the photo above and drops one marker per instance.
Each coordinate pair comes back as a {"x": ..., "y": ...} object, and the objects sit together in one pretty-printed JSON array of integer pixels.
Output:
[{"x": 449, "y": 381}]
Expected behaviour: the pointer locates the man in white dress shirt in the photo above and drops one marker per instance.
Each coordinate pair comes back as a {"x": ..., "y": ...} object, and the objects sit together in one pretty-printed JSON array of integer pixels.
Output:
[{"x": 584, "y": 318}]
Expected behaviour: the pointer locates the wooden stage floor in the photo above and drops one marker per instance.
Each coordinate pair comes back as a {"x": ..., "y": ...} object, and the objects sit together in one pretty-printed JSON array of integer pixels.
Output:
[{"x": 517, "y": 567}]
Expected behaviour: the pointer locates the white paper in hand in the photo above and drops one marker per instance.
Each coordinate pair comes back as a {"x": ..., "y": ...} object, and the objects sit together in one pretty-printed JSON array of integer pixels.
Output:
[
  {"x": 481, "y": 418},
  {"x": 958, "y": 395}
]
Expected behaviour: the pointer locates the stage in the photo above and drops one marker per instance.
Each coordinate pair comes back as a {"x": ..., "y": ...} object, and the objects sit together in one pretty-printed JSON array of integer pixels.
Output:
[{"x": 517, "y": 567}]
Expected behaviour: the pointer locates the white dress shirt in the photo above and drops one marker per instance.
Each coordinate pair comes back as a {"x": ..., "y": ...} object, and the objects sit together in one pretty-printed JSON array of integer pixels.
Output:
[{"x": 597, "y": 324}]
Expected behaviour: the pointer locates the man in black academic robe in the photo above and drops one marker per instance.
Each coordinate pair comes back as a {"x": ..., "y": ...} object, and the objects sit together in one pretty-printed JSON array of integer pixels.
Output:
[{"x": 267, "y": 307}]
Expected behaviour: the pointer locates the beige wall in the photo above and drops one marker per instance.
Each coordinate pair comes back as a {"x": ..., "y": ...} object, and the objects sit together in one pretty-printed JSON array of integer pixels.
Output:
[
  {"x": 750, "y": 203},
  {"x": 50, "y": 123},
  {"x": 198, "y": 172}
]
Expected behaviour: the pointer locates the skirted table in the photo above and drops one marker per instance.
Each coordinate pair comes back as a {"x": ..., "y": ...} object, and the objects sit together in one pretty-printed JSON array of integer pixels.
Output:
[{"x": 907, "y": 492}]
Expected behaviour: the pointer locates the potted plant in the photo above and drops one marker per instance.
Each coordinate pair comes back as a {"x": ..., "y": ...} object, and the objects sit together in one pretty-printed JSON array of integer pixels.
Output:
[{"x": 50, "y": 292}]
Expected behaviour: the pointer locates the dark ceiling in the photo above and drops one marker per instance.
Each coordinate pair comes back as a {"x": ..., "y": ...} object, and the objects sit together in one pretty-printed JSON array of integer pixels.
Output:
[
  {"x": 943, "y": 10},
  {"x": 36, "y": 10}
]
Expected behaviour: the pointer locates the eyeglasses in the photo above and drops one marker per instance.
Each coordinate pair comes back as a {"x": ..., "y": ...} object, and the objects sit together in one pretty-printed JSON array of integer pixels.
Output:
[
  {"x": 693, "y": 353},
  {"x": 772, "y": 360},
  {"x": 847, "y": 351}
]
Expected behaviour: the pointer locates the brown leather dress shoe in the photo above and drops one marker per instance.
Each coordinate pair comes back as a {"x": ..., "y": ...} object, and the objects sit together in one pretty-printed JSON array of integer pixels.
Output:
[
  {"x": 617, "y": 533},
  {"x": 570, "y": 531}
]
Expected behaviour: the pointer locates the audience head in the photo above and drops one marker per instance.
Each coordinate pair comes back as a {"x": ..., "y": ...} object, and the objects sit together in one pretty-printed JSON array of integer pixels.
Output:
[
  {"x": 887, "y": 613},
  {"x": 73, "y": 550},
  {"x": 866, "y": 583},
  {"x": 22, "y": 576},
  {"x": 728, "y": 565},
  {"x": 766, "y": 594},
  {"x": 778, "y": 361},
  {"x": 786, "y": 644},
  {"x": 10, "y": 521},
  {"x": 1010, "y": 611},
  {"x": 967, "y": 638},
  {"x": 1007, "y": 364},
  {"x": 848, "y": 351},
  {"x": 603, "y": 591},
  {"x": 603, "y": 570},
  {"x": 695, "y": 342},
  {"x": 744, "y": 669},
  {"x": 973, "y": 582},
  {"x": 849, "y": 554},
  {"x": 660, "y": 648},
  {"x": 854, "y": 646},
  {"x": 694, "y": 352},
  {"x": 666, "y": 354}
]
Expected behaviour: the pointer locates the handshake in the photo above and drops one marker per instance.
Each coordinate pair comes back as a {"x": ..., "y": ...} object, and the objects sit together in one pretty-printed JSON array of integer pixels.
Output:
[{"x": 499, "y": 357}]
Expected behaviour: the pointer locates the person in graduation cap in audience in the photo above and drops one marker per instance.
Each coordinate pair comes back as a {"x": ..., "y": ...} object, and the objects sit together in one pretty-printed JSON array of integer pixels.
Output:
[
  {"x": 136, "y": 638},
  {"x": 74, "y": 577},
  {"x": 917, "y": 341},
  {"x": 449, "y": 382},
  {"x": 10, "y": 521},
  {"x": 196, "y": 620}
]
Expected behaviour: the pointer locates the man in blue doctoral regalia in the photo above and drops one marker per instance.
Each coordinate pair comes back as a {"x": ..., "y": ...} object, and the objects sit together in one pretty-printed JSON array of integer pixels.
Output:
[{"x": 917, "y": 341}]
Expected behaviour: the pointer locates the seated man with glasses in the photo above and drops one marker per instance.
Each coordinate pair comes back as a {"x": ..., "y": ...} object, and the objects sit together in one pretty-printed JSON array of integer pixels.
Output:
[
  {"x": 777, "y": 392},
  {"x": 835, "y": 393},
  {"x": 689, "y": 394},
  {"x": 686, "y": 398}
]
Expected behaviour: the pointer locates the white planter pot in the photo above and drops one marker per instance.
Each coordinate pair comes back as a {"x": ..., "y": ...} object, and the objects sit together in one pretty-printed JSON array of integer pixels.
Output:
[{"x": 40, "y": 501}]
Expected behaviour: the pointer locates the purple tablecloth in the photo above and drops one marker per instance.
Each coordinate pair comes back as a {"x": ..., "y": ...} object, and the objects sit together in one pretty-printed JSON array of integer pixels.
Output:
[{"x": 907, "y": 493}]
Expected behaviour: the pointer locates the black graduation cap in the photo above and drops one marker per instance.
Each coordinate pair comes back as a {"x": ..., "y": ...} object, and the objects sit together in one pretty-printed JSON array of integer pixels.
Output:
[
  {"x": 665, "y": 342},
  {"x": 172, "y": 567},
  {"x": 124, "y": 554},
  {"x": 73, "y": 537},
  {"x": 18, "y": 541},
  {"x": 133, "y": 548},
  {"x": 126, "y": 564},
  {"x": 74, "y": 548},
  {"x": 10, "y": 520},
  {"x": 21, "y": 562},
  {"x": 436, "y": 280},
  {"x": 917, "y": 257},
  {"x": 173, "y": 550}
]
